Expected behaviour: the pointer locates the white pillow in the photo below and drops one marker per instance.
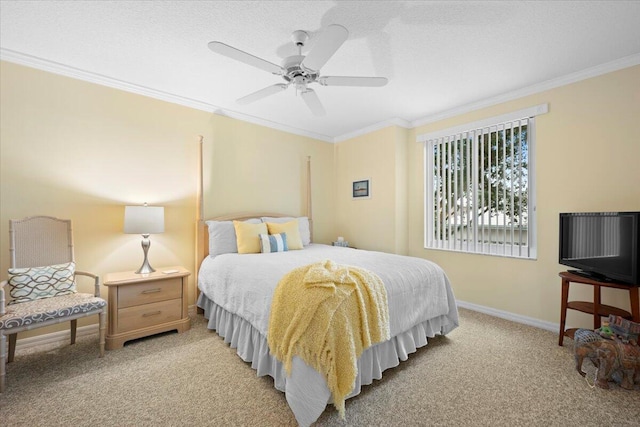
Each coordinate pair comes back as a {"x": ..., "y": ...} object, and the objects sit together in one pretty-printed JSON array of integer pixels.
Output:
[
  {"x": 222, "y": 236},
  {"x": 303, "y": 226}
]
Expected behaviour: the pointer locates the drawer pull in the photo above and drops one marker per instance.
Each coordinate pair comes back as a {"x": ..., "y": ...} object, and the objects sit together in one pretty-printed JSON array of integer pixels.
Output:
[
  {"x": 153, "y": 313},
  {"x": 152, "y": 291}
]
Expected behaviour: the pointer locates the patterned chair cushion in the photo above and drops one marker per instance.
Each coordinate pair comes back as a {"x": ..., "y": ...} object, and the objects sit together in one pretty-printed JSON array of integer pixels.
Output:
[
  {"x": 28, "y": 284},
  {"x": 37, "y": 311}
]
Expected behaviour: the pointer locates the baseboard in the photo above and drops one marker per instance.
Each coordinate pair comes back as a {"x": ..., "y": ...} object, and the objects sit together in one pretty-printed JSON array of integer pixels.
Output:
[
  {"x": 61, "y": 337},
  {"x": 549, "y": 326}
]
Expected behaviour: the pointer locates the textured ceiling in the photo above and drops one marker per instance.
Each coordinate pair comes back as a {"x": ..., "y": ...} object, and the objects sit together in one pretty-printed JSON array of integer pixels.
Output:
[{"x": 438, "y": 56}]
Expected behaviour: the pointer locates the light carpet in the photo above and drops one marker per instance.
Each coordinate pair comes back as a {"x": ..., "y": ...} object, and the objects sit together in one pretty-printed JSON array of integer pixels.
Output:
[{"x": 489, "y": 371}]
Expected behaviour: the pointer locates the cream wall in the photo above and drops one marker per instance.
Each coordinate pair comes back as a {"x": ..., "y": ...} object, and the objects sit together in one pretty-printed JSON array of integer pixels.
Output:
[
  {"x": 379, "y": 222},
  {"x": 251, "y": 168},
  {"x": 587, "y": 159},
  {"x": 82, "y": 151}
]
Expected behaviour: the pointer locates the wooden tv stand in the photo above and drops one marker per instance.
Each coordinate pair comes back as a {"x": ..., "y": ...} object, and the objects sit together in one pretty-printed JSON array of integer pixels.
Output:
[{"x": 596, "y": 307}]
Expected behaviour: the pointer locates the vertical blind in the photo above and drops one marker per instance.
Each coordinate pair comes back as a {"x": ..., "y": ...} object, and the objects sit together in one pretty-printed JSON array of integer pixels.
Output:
[{"x": 478, "y": 185}]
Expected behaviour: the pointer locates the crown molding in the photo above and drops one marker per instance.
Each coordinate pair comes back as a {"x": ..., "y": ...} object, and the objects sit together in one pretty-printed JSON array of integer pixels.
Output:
[
  {"x": 76, "y": 73},
  {"x": 374, "y": 127},
  {"x": 273, "y": 125},
  {"x": 619, "y": 64}
]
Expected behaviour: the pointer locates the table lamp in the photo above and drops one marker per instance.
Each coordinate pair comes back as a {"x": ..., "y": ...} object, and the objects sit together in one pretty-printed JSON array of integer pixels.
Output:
[{"x": 144, "y": 220}]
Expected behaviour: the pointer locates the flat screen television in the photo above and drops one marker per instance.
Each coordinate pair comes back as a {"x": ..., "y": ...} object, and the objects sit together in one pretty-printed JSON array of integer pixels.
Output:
[{"x": 602, "y": 245}]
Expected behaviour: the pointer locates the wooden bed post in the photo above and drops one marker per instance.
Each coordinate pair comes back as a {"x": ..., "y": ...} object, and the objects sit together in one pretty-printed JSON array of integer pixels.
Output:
[
  {"x": 199, "y": 216},
  {"x": 309, "y": 212},
  {"x": 200, "y": 178}
]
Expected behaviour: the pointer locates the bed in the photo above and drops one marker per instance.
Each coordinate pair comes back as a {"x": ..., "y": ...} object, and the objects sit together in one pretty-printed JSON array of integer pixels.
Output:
[{"x": 235, "y": 293}]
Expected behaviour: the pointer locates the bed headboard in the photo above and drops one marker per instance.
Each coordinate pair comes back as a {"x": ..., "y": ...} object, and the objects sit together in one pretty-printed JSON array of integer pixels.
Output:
[{"x": 203, "y": 241}]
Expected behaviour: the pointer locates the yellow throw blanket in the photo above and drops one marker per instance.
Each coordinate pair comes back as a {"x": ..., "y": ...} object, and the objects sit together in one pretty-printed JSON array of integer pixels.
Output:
[{"x": 328, "y": 314}]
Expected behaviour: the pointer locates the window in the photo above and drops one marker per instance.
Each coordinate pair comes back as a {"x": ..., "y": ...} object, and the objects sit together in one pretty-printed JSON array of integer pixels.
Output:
[{"x": 479, "y": 186}]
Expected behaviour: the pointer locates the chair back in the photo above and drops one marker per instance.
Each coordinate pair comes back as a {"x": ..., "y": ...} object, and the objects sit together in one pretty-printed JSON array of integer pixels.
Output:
[{"x": 40, "y": 240}]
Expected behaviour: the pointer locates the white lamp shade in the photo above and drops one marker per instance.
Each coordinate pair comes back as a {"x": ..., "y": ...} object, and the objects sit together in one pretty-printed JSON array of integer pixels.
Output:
[{"x": 143, "y": 219}]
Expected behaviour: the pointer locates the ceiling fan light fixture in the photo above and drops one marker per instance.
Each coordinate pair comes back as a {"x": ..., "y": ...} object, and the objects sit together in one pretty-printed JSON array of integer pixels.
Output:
[{"x": 301, "y": 83}]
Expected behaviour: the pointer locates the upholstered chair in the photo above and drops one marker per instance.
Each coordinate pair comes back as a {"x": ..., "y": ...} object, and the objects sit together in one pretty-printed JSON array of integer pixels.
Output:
[{"x": 42, "y": 284}]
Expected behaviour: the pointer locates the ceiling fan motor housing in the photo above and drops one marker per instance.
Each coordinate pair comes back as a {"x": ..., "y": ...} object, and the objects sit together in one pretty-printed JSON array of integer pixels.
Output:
[{"x": 295, "y": 73}]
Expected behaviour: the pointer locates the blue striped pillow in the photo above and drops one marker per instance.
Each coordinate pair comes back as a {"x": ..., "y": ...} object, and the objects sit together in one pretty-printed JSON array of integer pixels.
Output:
[{"x": 273, "y": 243}]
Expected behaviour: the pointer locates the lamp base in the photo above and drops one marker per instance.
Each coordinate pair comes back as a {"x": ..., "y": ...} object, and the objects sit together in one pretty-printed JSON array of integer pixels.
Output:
[{"x": 145, "y": 268}]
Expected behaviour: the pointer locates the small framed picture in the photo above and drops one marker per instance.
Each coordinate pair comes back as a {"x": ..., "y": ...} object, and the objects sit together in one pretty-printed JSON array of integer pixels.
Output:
[{"x": 361, "y": 189}]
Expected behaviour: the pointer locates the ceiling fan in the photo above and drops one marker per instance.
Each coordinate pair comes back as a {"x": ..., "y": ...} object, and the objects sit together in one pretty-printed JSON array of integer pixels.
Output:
[{"x": 300, "y": 70}]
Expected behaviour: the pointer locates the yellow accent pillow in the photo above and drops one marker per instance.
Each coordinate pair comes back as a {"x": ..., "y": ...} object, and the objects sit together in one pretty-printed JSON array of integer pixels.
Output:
[
  {"x": 248, "y": 236},
  {"x": 291, "y": 229}
]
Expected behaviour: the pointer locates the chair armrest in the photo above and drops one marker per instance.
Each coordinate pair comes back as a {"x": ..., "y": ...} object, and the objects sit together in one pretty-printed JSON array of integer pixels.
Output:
[
  {"x": 95, "y": 278},
  {"x": 2, "y": 301}
]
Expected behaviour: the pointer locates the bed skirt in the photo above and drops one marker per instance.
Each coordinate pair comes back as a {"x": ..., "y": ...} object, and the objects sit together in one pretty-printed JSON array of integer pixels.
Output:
[{"x": 306, "y": 390}]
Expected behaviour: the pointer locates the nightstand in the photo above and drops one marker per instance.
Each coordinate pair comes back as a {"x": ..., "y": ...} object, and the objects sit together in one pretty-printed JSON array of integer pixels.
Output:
[{"x": 145, "y": 304}]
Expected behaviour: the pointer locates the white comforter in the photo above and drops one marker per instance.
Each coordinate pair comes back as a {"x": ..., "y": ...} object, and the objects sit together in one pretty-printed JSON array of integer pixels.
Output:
[
  {"x": 244, "y": 284},
  {"x": 418, "y": 292}
]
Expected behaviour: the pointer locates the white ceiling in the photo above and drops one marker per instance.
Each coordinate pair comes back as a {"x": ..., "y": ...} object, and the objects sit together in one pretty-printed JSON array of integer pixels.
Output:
[{"x": 439, "y": 56}]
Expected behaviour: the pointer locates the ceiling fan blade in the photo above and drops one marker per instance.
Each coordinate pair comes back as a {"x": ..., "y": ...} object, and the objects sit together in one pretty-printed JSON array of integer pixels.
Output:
[
  {"x": 313, "y": 102},
  {"x": 352, "y": 81},
  {"x": 262, "y": 93},
  {"x": 327, "y": 44},
  {"x": 247, "y": 58}
]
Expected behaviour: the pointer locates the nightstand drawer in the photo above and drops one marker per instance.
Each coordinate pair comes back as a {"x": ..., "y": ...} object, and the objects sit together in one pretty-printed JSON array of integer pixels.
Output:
[
  {"x": 150, "y": 292},
  {"x": 146, "y": 315}
]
